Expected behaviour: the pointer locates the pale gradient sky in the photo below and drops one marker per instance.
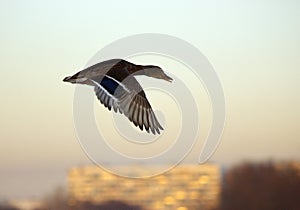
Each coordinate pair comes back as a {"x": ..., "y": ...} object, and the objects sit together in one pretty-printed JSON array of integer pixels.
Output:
[{"x": 254, "y": 47}]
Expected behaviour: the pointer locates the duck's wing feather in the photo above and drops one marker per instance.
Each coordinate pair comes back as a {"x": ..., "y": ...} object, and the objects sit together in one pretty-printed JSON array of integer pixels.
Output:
[
  {"x": 129, "y": 99},
  {"x": 138, "y": 110},
  {"x": 106, "y": 99},
  {"x": 106, "y": 89}
]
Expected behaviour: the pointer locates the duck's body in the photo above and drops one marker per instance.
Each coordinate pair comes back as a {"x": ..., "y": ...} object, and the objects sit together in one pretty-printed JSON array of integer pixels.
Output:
[{"x": 116, "y": 87}]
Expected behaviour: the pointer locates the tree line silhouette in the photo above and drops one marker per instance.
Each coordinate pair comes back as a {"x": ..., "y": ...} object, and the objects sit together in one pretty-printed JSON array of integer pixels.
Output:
[{"x": 267, "y": 186}]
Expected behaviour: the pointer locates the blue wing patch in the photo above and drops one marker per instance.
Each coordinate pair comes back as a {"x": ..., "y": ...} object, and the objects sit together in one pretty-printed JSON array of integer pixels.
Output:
[{"x": 109, "y": 85}]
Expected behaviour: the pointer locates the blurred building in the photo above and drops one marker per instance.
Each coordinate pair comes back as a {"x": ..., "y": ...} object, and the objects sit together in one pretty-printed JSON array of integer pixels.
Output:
[
  {"x": 184, "y": 187},
  {"x": 286, "y": 165},
  {"x": 26, "y": 204}
]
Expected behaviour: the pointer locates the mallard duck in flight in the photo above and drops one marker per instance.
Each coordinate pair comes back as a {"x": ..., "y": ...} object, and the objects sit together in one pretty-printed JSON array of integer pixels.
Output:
[{"x": 116, "y": 87}]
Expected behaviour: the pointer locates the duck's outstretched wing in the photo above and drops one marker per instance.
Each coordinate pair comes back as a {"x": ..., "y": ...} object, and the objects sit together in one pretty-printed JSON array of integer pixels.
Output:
[
  {"x": 106, "y": 99},
  {"x": 138, "y": 110},
  {"x": 129, "y": 99}
]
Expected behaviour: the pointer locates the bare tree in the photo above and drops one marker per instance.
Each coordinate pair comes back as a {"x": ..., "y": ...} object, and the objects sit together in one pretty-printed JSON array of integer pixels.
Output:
[
  {"x": 7, "y": 207},
  {"x": 57, "y": 199},
  {"x": 261, "y": 186}
]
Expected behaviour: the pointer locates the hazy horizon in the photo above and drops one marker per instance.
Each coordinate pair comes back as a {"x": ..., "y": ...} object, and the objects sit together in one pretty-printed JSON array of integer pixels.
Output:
[{"x": 253, "y": 47}]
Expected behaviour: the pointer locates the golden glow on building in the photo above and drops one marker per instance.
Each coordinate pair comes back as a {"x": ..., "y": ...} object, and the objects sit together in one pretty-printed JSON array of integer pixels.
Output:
[{"x": 184, "y": 187}]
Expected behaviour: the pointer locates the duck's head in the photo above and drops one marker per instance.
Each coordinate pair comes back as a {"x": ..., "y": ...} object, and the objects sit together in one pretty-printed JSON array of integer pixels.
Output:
[{"x": 155, "y": 72}]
